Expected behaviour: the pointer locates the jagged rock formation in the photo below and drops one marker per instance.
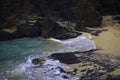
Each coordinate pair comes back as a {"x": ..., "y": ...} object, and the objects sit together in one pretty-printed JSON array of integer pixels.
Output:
[
  {"x": 80, "y": 11},
  {"x": 16, "y": 13},
  {"x": 50, "y": 28},
  {"x": 108, "y": 7}
]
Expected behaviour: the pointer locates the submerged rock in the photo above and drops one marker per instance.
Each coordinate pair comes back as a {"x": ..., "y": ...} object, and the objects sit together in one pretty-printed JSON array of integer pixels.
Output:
[
  {"x": 53, "y": 69},
  {"x": 36, "y": 61},
  {"x": 49, "y": 70}
]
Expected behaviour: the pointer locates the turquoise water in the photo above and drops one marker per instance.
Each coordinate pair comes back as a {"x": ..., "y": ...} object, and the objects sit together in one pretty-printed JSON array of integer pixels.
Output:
[
  {"x": 17, "y": 51},
  {"x": 15, "y": 54}
]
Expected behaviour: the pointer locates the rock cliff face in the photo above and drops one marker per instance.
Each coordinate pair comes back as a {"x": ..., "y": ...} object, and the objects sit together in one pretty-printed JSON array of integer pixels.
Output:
[
  {"x": 82, "y": 13},
  {"x": 108, "y": 7}
]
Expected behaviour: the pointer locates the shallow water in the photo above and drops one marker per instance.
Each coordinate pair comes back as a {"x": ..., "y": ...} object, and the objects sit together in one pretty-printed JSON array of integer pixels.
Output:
[
  {"x": 16, "y": 54},
  {"x": 17, "y": 50}
]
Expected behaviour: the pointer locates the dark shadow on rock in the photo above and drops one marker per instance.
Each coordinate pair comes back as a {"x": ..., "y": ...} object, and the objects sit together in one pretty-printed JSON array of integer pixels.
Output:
[
  {"x": 27, "y": 30},
  {"x": 50, "y": 28},
  {"x": 113, "y": 77},
  {"x": 97, "y": 32},
  {"x": 67, "y": 58},
  {"x": 117, "y": 18},
  {"x": 108, "y": 7},
  {"x": 4, "y": 35},
  {"x": 93, "y": 32},
  {"x": 70, "y": 57}
]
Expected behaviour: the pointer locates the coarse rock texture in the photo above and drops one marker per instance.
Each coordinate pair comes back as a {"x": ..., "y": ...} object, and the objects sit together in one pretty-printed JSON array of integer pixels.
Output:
[
  {"x": 4, "y": 35},
  {"x": 27, "y": 30},
  {"x": 13, "y": 11},
  {"x": 89, "y": 65},
  {"x": 108, "y": 7},
  {"x": 24, "y": 14},
  {"x": 42, "y": 27},
  {"x": 50, "y": 28},
  {"x": 81, "y": 11}
]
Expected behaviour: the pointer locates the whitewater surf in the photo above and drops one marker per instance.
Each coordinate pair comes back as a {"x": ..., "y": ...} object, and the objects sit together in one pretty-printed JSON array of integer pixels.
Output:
[{"x": 16, "y": 55}]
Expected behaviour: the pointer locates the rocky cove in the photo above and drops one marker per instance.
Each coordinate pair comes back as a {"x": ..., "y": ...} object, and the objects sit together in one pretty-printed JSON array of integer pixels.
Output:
[
  {"x": 59, "y": 40},
  {"x": 53, "y": 59}
]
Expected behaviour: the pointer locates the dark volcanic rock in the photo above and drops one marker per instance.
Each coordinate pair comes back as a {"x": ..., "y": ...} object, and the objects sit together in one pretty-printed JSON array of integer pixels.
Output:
[
  {"x": 5, "y": 35},
  {"x": 85, "y": 13},
  {"x": 113, "y": 77},
  {"x": 116, "y": 18},
  {"x": 50, "y": 28},
  {"x": 12, "y": 11},
  {"x": 26, "y": 30},
  {"x": 96, "y": 67},
  {"x": 108, "y": 7},
  {"x": 68, "y": 58},
  {"x": 36, "y": 61},
  {"x": 82, "y": 12}
]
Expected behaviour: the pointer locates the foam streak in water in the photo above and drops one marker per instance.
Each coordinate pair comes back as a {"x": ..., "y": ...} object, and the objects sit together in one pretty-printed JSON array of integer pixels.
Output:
[{"x": 80, "y": 43}]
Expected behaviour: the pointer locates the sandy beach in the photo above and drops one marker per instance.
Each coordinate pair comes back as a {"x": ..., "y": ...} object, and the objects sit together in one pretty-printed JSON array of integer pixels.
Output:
[
  {"x": 108, "y": 41},
  {"x": 108, "y": 52}
]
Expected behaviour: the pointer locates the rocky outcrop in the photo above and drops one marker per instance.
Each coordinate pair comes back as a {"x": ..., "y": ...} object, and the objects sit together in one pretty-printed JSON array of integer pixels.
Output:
[
  {"x": 82, "y": 12},
  {"x": 26, "y": 30},
  {"x": 4, "y": 35},
  {"x": 13, "y": 11},
  {"x": 50, "y": 28},
  {"x": 42, "y": 27},
  {"x": 108, "y": 7},
  {"x": 89, "y": 66},
  {"x": 86, "y": 14}
]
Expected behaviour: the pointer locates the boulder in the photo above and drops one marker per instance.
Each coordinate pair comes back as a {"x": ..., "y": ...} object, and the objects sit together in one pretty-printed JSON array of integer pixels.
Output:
[
  {"x": 13, "y": 11},
  {"x": 50, "y": 28},
  {"x": 4, "y": 35},
  {"x": 108, "y": 7},
  {"x": 67, "y": 58},
  {"x": 36, "y": 61},
  {"x": 26, "y": 30},
  {"x": 86, "y": 14},
  {"x": 83, "y": 12}
]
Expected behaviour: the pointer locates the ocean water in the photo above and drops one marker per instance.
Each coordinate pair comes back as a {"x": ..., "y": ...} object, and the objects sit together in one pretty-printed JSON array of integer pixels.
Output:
[
  {"x": 16, "y": 51},
  {"x": 16, "y": 55}
]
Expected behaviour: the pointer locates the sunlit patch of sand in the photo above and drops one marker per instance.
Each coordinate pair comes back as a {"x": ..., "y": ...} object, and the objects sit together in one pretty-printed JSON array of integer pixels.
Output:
[
  {"x": 108, "y": 48},
  {"x": 10, "y": 30},
  {"x": 108, "y": 42}
]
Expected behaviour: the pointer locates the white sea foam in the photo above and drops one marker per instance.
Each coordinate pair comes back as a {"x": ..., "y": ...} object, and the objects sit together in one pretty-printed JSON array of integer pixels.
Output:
[
  {"x": 81, "y": 43},
  {"x": 50, "y": 70},
  {"x": 56, "y": 40}
]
